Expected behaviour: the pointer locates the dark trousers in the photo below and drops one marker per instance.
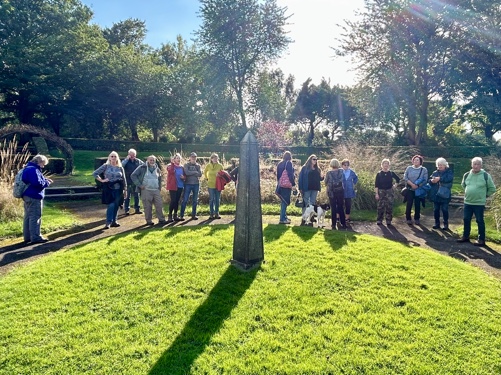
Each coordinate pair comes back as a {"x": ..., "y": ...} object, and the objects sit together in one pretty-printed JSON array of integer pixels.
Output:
[
  {"x": 347, "y": 205},
  {"x": 441, "y": 206},
  {"x": 468, "y": 212},
  {"x": 175, "y": 197},
  {"x": 412, "y": 200},
  {"x": 337, "y": 207}
]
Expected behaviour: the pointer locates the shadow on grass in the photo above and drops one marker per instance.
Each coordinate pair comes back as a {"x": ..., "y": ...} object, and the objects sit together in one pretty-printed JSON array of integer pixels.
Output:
[
  {"x": 204, "y": 323},
  {"x": 273, "y": 232},
  {"x": 305, "y": 232}
]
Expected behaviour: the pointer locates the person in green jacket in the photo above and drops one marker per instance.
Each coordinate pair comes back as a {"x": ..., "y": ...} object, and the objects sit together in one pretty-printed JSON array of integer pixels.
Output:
[{"x": 478, "y": 185}]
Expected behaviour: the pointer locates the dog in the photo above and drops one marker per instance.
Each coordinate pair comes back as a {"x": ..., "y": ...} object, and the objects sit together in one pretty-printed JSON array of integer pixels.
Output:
[{"x": 315, "y": 210}]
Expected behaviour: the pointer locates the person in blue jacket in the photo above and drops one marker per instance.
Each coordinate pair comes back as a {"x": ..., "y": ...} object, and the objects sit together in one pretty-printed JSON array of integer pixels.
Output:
[
  {"x": 350, "y": 179},
  {"x": 441, "y": 179},
  {"x": 33, "y": 199}
]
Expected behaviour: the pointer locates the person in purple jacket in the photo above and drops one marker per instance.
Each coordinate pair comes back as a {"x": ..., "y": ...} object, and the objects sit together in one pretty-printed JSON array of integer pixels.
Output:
[{"x": 33, "y": 199}]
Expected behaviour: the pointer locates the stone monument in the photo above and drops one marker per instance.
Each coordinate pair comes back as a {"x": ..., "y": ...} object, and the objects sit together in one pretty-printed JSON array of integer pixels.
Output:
[{"x": 248, "y": 249}]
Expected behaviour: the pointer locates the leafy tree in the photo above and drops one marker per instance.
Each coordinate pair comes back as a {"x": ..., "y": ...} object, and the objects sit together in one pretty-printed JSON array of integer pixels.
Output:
[
  {"x": 130, "y": 32},
  {"x": 273, "y": 135},
  {"x": 45, "y": 45},
  {"x": 240, "y": 37}
]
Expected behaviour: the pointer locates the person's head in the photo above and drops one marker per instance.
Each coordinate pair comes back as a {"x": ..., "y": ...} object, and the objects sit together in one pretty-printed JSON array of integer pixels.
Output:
[
  {"x": 476, "y": 164},
  {"x": 311, "y": 163},
  {"x": 176, "y": 159},
  {"x": 114, "y": 159},
  {"x": 417, "y": 160},
  {"x": 193, "y": 158},
  {"x": 441, "y": 164},
  {"x": 151, "y": 160},
  {"x": 41, "y": 160},
  {"x": 132, "y": 153},
  {"x": 287, "y": 156},
  {"x": 214, "y": 158},
  {"x": 334, "y": 164},
  {"x": 345, "y": 163},
  {"x": 385, "y": 164}
]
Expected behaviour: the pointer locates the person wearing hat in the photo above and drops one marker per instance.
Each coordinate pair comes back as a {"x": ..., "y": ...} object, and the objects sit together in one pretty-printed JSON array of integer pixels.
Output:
[{"x": 193, "y": 173}]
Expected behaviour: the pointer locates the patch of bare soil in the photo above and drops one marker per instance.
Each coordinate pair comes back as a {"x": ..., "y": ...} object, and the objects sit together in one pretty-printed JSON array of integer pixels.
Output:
[{"x": 92, "y": 214}]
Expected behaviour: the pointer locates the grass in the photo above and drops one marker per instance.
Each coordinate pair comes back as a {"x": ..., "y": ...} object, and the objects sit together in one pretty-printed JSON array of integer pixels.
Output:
[
  {"x": 54, "y": 218},
  {"x": 161, "y": 302}
]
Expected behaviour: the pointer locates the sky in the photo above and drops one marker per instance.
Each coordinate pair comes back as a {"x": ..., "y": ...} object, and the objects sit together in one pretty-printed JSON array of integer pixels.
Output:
[{"x": 312, "y": 27}]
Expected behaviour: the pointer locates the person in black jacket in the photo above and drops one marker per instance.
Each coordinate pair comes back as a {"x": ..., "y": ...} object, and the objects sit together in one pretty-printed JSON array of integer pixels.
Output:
[
  {"x": 441, "y": 179},
  {"x": 384, "y": 192}
]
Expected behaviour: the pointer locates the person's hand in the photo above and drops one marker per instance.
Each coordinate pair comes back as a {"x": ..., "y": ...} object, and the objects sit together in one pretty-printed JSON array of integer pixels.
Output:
[
  {"x": 377, "y": 196},
  {"x": 50, "y": 181}
]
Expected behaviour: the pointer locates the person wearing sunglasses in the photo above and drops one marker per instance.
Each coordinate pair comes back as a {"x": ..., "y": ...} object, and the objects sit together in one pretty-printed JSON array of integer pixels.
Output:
[
  {"x": 309, "y": 182},
  {"x": 112, "y": 175}
]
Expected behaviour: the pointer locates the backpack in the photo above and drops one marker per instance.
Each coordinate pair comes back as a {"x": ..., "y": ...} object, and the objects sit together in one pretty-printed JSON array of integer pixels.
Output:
[
  {"x": 335, "y": 185},
  {"x": 19, "y": 185}
]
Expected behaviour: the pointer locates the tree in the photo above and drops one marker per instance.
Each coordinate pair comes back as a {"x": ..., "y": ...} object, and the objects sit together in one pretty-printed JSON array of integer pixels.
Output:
[
  {"x": 240, "y": 37},
  {"x": 405, "y": 52},
  {"x": 130, "y": 32},
  {"x": 45, "y": 44}
]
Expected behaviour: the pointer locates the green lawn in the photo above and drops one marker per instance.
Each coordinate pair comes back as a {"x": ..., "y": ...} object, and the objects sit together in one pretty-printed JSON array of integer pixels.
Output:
[{"x": 166, "y": 301}]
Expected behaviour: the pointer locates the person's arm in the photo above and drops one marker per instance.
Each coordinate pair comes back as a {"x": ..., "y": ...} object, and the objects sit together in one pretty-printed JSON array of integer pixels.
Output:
[
  {"x": 491, "y": 188},
  {"x": 125, "y": 161},
  {"x": 98, "y": 172},
  {"x": 376, "y": 186},
  {"x": 135, "y": 177},
  {"x": 395, "y": 176},
  {"x": 354, "y": 177}
]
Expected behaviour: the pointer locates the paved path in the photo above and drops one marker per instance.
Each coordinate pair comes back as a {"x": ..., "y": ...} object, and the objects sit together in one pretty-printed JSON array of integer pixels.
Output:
[{"x": 487, "y": 258}]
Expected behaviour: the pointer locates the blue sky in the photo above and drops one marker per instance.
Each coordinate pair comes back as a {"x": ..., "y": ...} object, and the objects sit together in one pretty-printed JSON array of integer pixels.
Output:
[{"x": 312, "y": 27}]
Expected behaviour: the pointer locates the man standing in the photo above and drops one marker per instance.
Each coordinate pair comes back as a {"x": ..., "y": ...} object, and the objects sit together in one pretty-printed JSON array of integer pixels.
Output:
[
  {"x": 478, "y": 185},
  {"x": 148, "y": 179},
  {"x": 193, "y": 173},
  {"x": 33, "y": 199},
  {"x": 129, "y": 164}
]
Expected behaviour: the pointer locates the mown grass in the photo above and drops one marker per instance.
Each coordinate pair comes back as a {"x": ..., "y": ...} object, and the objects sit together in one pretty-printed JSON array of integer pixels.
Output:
[{"x": 168, "y": 302}]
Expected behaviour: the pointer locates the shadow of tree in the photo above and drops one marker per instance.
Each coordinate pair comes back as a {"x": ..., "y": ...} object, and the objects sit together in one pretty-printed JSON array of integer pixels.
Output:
[{"x": 204, "y": 323}]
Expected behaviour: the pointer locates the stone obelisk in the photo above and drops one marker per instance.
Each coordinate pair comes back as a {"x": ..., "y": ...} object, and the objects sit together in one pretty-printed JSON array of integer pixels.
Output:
[{"x": 248, "y": 249}]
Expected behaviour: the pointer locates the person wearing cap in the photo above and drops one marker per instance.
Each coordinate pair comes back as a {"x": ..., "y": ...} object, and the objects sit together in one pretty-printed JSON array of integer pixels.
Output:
[{"x": 193, "y": 172}]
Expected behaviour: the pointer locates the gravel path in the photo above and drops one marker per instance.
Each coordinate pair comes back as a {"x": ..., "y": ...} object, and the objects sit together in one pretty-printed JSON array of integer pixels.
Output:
[{"x": 487, "y": 258}]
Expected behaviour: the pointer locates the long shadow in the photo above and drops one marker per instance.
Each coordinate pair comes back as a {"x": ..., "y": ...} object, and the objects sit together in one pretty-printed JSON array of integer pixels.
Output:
[
  {"x": 204, "y": 323},
  {"x": 305, "y": 232}
]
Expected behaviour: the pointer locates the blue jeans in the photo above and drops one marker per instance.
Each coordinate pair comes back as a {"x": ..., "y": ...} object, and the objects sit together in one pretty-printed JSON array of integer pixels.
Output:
[
  {"x": 188, "y": 188},
  {"x": 309, "y": 197},
  {"x": 214, "y": 197},
  {"x": 112, "y": 210},
  {"x": 468, "y": 212},
  {"x": 131, "y": 191}
]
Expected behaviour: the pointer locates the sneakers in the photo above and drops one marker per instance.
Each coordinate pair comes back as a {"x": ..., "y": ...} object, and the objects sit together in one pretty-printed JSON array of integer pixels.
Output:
[
  {"x": 463, "y": 239},
  {"x": 388, "y": 222},
  {"x": 107, "y": 226},
  {"x": 194, "y": 217},
  {"x": 127, "y": 213},
  {"x": 479, "y": 243},
  {"x": 138, "y": 212},
  {"x": 409, "y": 222},
  {"x": 286, "y": 221},
  {"x": 416, "y": 222},
  {"x": 436, "y": 226},
  {"x": 379, "y": 222},
  {"x": 170, "y": 220},
  {"x": 179, "y": 218},
  {"x": 150, "y": 223},
  {"x": 446, "y": 227},
  {"x": 41, "y": 240},
  {"x": 216, "y": 216},
  {"x": 114, "y": 224}
]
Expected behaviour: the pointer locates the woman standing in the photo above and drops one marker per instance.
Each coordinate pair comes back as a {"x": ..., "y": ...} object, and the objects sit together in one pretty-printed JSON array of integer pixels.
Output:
[
  {"x": 415, "y": 176},
  {"x": 210, "y": 173},
  {"x": 383, "y": 188},
  {"x": 285, "y": 183},
  {"x": 309, "y": 182},
  {"x": 350, "y": 180},
  {"x": 441, "y": 184},
  {"x": 175, "y": 186},
  {"x": 334, "y": 181},
  {"x": 112, "y": 176}
]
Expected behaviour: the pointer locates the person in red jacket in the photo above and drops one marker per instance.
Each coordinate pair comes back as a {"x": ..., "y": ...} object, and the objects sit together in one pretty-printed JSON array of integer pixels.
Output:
[{"x": 175, "y": 185}]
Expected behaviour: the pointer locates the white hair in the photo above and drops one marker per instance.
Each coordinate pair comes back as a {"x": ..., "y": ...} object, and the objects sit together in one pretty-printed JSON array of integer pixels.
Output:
[
  {"x": 477, "y": 159},
  {"x": 442, "y": 161}
]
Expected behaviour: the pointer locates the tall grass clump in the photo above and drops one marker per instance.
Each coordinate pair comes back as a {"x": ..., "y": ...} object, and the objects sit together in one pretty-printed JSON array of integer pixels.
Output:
[
  {"x": 11, "y": 162},
  {"x": 493, "y": 166}
]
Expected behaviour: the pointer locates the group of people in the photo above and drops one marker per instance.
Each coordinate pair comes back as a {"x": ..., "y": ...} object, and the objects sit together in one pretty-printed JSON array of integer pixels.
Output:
[
  {"x": 132, "y": 179},
  {"x": 340, "y": 183}
]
